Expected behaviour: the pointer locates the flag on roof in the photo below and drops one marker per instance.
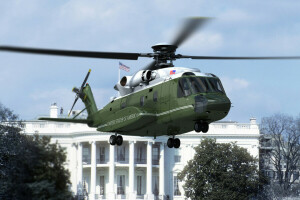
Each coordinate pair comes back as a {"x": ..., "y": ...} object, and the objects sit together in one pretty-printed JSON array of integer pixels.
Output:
[{"x": 124, "y": 67}]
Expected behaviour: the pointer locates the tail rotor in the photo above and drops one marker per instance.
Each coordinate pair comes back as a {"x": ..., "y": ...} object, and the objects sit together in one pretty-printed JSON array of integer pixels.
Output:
[{"x": 79, "y": 92}]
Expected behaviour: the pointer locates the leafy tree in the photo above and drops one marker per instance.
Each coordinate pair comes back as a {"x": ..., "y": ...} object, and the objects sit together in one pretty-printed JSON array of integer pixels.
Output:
[
  {"x": 220, "y": 171},
  {"x": 30, "y": 166}
]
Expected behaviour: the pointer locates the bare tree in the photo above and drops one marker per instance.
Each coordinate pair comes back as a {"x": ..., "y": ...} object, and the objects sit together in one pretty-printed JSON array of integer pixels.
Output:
[{"x": 285, "y": 154}]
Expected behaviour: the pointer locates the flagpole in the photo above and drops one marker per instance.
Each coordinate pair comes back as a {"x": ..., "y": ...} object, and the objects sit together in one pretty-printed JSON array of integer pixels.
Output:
[
  {"x": 119, "y": 80},
  {"x": 119, "y": 74}
]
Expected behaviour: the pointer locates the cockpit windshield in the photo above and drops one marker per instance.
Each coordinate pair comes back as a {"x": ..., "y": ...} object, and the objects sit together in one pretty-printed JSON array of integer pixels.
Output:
[{"x": 193, "y": 85}]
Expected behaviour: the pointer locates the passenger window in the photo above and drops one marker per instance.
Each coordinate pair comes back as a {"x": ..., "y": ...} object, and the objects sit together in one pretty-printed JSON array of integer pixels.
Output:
[
  {"x": 123, "y": 105},
  {"x": 155, "y": 96},
  {"x": 183, "y": 88},
  {"x": 142, "y": 100}
]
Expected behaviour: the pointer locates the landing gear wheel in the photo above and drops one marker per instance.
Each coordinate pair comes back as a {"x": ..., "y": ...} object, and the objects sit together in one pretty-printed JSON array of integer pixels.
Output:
[
  {"x": 170, "y": 143},
  {"x": 198, "y": 127},
  {"x": 205, "y": 127},
  {"x": 112, "y": 140},
  {"x": 176, "y": 143},
  {"x": 119, "y": 140}
]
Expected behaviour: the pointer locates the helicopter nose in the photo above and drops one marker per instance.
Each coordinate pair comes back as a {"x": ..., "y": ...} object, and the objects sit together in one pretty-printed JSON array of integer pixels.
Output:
[
  {"x": 221, "y": 104},
  {"x": 210, "y": 104}
]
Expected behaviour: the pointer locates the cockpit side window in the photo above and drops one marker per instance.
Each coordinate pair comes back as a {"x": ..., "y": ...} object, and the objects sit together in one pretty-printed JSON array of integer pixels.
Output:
[{"x": 216, "y": 85}]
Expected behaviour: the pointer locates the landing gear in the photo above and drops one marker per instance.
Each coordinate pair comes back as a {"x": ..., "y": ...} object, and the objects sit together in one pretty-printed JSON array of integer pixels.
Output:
[
  {"x": 201, "y": 126},
  {"x": 198, "y": 127},
  {"x": 112, "y": 140},
  {"x": 205, "y": 127},
  {"x": 173, "y": 143},
  {"x": 176, "y": 143},
  {"x": 119, "y": 140},
  {"x": 116, "y": 140},
  {"x": 170, "y": 143}
]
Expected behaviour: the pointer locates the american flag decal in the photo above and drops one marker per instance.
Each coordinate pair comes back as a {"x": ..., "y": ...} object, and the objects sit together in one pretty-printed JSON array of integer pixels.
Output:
[
  {"x": 124, "y": 67},
  {"x": 172, "y": 72}
]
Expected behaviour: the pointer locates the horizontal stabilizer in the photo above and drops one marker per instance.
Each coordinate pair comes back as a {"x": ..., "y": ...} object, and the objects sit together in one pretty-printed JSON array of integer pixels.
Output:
[{"x": 82, "y": 121}]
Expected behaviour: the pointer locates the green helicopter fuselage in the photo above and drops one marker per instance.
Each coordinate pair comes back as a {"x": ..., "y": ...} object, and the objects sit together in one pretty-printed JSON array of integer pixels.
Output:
[{"x": 168, "y": 108}]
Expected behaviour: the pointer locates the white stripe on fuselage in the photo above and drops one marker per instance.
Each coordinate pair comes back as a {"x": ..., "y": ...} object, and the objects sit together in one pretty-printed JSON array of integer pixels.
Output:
[{"x": 119, "y": 120}]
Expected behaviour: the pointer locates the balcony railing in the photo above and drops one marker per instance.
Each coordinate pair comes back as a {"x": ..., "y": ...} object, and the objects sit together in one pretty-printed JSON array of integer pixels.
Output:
[
  {"x": 120, "y": 190},
  {"x": 140, "y": 161},
  {"x": 86, "y": 160},
  {"x": 144, "y": 161},
  {"x": 122, "y": 160},
  {"x": 102, "y": 161}
]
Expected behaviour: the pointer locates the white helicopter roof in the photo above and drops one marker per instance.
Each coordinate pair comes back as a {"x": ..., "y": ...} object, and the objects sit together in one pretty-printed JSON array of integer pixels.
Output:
[{"x": 164, "y": 75}]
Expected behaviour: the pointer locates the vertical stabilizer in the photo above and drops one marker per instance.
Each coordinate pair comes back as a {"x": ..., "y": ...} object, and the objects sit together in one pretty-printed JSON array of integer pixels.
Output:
[{"x": 89, "y": 101}]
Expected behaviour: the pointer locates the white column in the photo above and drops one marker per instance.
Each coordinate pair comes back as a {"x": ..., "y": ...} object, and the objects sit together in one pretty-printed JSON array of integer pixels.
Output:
[
  {"x": 149, "y": 194},
  {"x": 111, "y": 193},
  {"x": 93, "y": 170},
  {"x": 132, "y": 194},
  {"x": 162, "y": 171},
  {"x": 79, "y": 168},
  {"x": 73, "y": 161}
]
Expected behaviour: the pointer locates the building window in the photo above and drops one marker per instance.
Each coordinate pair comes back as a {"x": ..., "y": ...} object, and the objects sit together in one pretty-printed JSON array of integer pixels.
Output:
[
  {"x": 102, "y": 154},
  {"x": 139, "y": 185},
  {"x": 176, "y": 187},
  {"x": 139, "y": 155},
  {"x": 155, "y": 185},
  {"x": 86, "y": 157},
  {"x": 155, "y": 96},
  {"x": 121, "y": 154},
  {"x": 102, "y": 185},
  {"x": 142, "y": 101},
  {"x": 296, "y": 176},
  {"x": 121, "y": 184},
  {"x": 177, "y": 156},
  {"x": 155, "y": 155}
]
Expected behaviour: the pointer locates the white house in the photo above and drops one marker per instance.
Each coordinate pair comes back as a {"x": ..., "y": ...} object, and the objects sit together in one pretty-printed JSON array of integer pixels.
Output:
[{"x": 143, "y": 167}]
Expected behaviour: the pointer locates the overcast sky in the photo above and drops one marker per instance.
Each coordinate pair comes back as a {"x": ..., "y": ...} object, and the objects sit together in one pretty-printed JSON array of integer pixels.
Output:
[{"x": 30, "y": 83}]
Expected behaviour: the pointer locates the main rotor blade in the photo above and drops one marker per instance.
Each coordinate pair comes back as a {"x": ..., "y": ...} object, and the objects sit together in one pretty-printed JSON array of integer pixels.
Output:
[
  {"x": 86, "y": 78},
  {"x": 87, "y": 54},
  {"x": 150, "y": 66},
  {"x": 239, "y": 58},
  {"x": 188, "y": 28},
  {"x": 73, "y": 105}
]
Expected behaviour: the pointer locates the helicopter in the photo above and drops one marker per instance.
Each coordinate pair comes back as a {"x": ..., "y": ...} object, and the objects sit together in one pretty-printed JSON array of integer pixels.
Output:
[{"x": 160, "y": 99}]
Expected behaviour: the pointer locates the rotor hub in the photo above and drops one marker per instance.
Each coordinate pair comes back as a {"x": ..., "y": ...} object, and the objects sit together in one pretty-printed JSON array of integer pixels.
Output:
[
  {"x": 164, "y": 53},
  {"x": 164, "y": 48}
]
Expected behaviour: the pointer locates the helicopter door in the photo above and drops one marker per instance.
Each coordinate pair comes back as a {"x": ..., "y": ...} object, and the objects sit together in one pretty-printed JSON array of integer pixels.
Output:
[{"x": 165, "y": 101}]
